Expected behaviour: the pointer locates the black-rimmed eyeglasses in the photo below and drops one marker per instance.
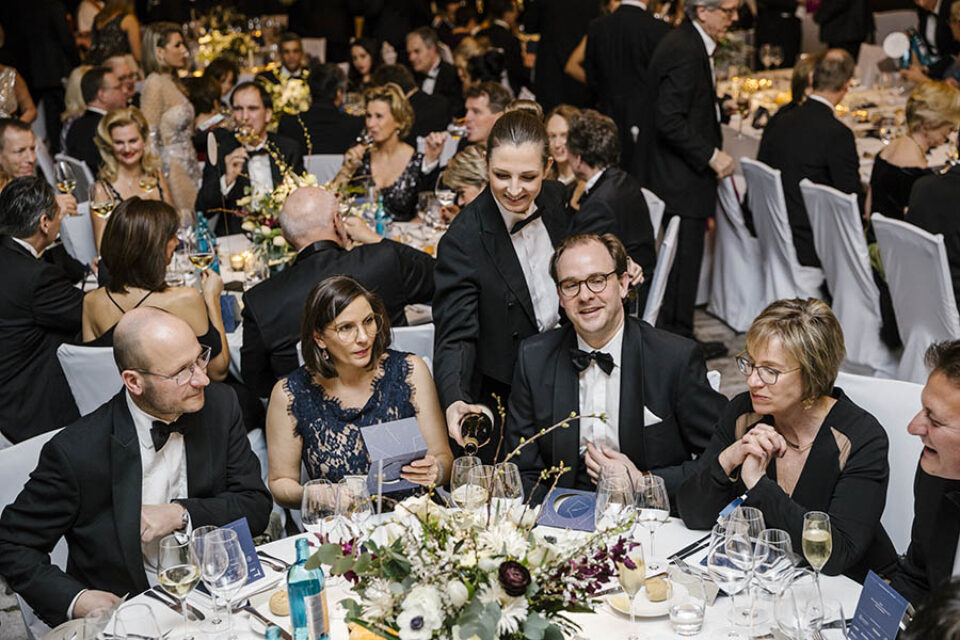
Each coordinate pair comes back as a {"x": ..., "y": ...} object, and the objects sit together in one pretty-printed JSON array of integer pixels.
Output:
[
  {"x": 768, "y": 375},
  {"x": 596, "y": 282}
]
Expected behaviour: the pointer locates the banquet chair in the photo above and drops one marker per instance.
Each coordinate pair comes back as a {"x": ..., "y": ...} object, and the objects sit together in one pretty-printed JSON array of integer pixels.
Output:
[
  {"x": 16, "y": 464},
  {"x": 886, "y": 22},
  {"x": 91, "y": 373},
  {"x": 916, "y": 269},
  {"x": 418, "y": 339},
  {"x": 324, "y": 166},
  {"x": 77, "y": 234},
  {"x": 840, "y": 243},
  {"x": 736, "y": 291},
  {"x": 656, "y": 207},
  {"x": 82, "y": 173},
  {"x": 894, "y": 404},
  {"x": 784, "y": 277},
  {"x": 45, "y": 162},
  {"x": 668, "y": 251}
]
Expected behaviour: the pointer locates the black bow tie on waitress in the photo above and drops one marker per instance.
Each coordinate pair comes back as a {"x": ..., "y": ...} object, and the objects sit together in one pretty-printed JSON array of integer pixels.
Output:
[
  {"x": 160, "y": 433},
  {"x": 581, "y": 360}
]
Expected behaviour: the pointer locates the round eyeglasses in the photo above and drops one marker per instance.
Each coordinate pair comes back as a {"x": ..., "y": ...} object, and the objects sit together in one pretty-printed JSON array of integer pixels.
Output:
[
  {"x": 768, "y": 375},
  {"x": 185, "y": 375},
  {"x": 596, "y": 282},
  {"x": 347, "y": 332}
]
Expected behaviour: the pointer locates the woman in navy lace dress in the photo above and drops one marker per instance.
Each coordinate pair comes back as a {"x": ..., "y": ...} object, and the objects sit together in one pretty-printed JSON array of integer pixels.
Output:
[{"x": 349, "y": 380}]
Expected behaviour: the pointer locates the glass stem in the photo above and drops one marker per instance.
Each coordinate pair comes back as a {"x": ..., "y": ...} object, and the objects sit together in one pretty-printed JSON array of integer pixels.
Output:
[
  {"x": 653, "y": 555},
  {"x": 186, "y": 621}
]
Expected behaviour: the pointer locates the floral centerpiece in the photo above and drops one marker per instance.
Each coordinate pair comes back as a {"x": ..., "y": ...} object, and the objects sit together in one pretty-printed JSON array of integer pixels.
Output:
[
  {"x": 215, "y": 43},
  {"x": 290, "y": 95},
  {"x": 431, "y": 572}
]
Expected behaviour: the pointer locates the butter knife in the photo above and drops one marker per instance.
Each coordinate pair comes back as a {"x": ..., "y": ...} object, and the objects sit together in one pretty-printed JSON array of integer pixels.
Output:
[{"x": 259, "y": 616}]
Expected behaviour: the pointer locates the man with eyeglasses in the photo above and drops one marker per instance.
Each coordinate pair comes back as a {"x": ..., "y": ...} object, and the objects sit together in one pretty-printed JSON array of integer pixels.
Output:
[
  {"x": 127, "y": 75},
  {"x": 651, "y": 385},
  {"x": 167, "y": 454},
  {"x": 102, "y": 92}
]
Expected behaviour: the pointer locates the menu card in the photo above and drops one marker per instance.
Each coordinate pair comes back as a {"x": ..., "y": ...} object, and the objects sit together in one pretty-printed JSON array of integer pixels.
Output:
[
  {"x": 396, "y": 443},
  {"x": 568, "y": 509},
  {"x": 879, "y": 611}
]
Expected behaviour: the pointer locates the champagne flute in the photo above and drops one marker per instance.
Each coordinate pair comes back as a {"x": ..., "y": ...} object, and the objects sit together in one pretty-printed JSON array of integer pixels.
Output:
[
  {"x": 632, "y": 574},
  {"x": 148, "y": 181},
  {"x": 799, "y": 605},
  {"x": 507, "y": 487},
  {"x": 463, "y": 494},
  {"x": 178, "y": 573},
  {"x": 135, "y": 621},
  {"x": 654, "y": 509},
  {"x": 817, "y": 541},
  {"x": 66, "y": 177},
  {"x": 615, "y": 502},
  {"x": 224, "y": 568},
  {"x": 102, "y": 199}
]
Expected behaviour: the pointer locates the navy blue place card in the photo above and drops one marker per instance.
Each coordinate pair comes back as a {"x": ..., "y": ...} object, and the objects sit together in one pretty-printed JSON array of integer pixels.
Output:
[
  {"x": 396, "y": 443},
  {"x": 228, "y": 310},
  {"x": 879, "y": 611},
  {"x": 254, "y": 568},
  {"x": 568, "y": 509}
]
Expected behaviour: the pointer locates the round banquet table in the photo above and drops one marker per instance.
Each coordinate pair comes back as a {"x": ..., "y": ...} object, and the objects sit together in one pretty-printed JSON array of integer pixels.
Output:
[{"x": 604, "y": 623}]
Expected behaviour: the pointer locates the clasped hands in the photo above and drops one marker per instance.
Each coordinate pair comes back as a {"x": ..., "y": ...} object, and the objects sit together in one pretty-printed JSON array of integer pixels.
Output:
[{"x": 753, "y": 452}]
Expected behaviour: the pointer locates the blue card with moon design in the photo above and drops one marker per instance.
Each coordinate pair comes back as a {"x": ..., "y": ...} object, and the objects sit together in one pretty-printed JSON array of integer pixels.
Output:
[{"x": 568, "y": 509}]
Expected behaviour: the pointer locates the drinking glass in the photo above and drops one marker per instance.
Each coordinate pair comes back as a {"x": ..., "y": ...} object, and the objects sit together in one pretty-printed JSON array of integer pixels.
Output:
[
  {"x": 200, "y": 249},
  {"x": 66, "y": 178},
  {"x": 224, "y": 568},
  {"x": 743, "y": 110},
  {"x": 318, "y": 507},
  {"x": 776, "y": 56},
  {"x": 507, "y": 487},
  {"x": 773, "y": 559},
  {"x": 353, "y": 504},
  {"x": 799, "y": 605},
  {"x": 136, "y": 622},
  {"x": 102, "y": 199},
  {"x": 95, "y": 623},
  {"x": 445, "y": 195},
  {"x": 178, "y": 572},
  {"x": 835, "y": 618},
  {"x": 481, "y": 479},
  {"x": 463, "y": 494},
  {"x": 632, "y": 573},
  {"x": 615, "y": 502},
  {"x": 766, "y": 56},
  {"x": 212, "y": 623},
  {"x": 148, "y": 181},
  {"x": 654, "y": 509},
  {"x": 752, "y": 519},
  {"x": 729, "y": 563},
  {"x": 817, "y": 542},
  {"x": 686, "y": 617}
]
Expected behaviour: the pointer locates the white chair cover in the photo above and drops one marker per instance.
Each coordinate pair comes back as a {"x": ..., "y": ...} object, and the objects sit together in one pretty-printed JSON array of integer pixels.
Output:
[
  {"x": 418, "y": 339},
  {"x": 736, "y": 292},
  {"x": 868, "y": 69},
  {"x": 915, "y": 265},
  {"x": 886, "y": 22},
  {"x": 656, "y": 207},
  {"x": 838, "y": 237},
  {"x": 894, "y": 403},
  {"x": 45, "y": 162},
  {"x": 83, "y": 174},
  {"x": 16, "y": 464},
  {"x": 316, "y": 47},
  {"x": 77, "y": 234},
  {"x": 91, "y": 373},
  {"x": 738, "y": 146},
  {"x": 784, "y": 278},
  {"x": 713, "y": 377},
  {"x": 668, "y": 251},
  {"x": 324, "y": 166}
]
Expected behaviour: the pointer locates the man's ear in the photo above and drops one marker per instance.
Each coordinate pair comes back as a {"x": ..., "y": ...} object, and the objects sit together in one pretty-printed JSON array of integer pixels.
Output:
[{"x": 133, "y": 381}]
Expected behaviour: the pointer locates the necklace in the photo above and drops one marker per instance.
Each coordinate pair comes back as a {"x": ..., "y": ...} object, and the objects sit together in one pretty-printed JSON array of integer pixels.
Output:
[{"x": 796, "y": 447}]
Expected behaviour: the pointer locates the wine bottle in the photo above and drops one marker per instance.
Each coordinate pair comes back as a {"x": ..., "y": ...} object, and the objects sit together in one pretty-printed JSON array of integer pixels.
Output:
[
  {"x": 308, "y": 599},
  {"x": 476, "y": 429}
]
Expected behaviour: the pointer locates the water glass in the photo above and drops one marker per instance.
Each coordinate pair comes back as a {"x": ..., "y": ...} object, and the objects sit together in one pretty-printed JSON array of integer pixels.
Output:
[{"x": 686, "y": 617}]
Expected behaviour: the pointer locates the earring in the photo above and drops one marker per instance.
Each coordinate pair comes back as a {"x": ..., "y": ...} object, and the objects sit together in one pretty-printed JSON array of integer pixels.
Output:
[{"x": 325, "y": 355}]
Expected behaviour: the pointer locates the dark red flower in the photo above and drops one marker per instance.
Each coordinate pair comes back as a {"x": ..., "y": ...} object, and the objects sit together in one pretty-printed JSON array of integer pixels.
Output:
[{"x": 514, "y": 578}]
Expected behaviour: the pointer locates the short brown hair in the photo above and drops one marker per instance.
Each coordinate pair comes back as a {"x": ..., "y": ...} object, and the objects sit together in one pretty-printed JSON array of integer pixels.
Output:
[
  {"x": 395, "y": 98},
  {"x": 611, "y": 242},
  {"x": 944, "y": 357},
  {"x": 517, "y": 128},
  {"x": 498, "y": 96},
  {"x": 833, "y": 70},
  {"x": 810, "y": 334},
  {"x": 326, "y": 301},
  {"x": 134, "y": 244},
  {"x": 595, "y": 138}
]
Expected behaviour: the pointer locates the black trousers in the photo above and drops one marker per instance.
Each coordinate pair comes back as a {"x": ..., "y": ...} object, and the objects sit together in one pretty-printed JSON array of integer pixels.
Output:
[{"x": 676, "y": 314}]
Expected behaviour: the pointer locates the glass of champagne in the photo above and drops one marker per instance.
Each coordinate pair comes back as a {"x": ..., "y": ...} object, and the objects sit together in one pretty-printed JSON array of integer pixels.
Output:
[
  {"x": 632, "y": 574},
  {"x": 66, "y": 177},
  {"x": 102, "y": 199},
  {"x": 135, "y": 621},
  {"x": 148, "y": 181},
  {"x": 463, "y": 494},
  {"x": 178, "y": 573},
  {"x": 224, "y": 568},
  {"x": 817, "y": 542},
  {"x": 654, "y": 509}
]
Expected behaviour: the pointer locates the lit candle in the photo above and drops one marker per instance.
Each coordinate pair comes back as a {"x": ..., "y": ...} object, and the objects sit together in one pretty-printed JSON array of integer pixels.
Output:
[{"x": 236, "y": 262}]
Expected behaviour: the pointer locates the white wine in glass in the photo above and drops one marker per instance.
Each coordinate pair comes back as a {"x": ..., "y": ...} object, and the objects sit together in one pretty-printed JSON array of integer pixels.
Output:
[
  {"x": 102, "y": 199},
  {"x": 817, "y": 541},
  {"x": 178, "y": 571},
  {"x": 66, "y": 178},
  {"x": 201, "y": 260},
  {"x": 632, "y": 579}
]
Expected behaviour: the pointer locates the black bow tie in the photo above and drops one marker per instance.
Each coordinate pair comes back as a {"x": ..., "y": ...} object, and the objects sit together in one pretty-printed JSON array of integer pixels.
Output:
[
  {"x": 257, "y": 152},
  {"x": 160, "y": 433},
  {"x": 581, "y": 360},
  {"x": 520, "y": 224}
]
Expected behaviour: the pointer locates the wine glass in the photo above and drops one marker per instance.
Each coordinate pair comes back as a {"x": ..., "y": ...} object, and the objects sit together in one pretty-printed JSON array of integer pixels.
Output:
[
  {"x": 654, "y": 509},
  {"x": 135, "y": 621},
  {"x": 766, "y": 55},
  {"x": 773, "y": 559},
  {"x": 817, "y": 541},
  {"x": 743, "y": 110},
  {"x": 632, "y": 573},
  {"x": 445, "y": 195},
  {"x": 318, "y": 507},
  {"x": 103, "y": 200},
  {"x": 353, "y": 504},
  {"x": 212, "y": 623},
  {"x": 95, "y": 623},
  {"x": 729, "y": 563},
  {"x": 776, "y": 55},
  {"x": 749, "y": 521},
  {"x": 148, "y": 181},
  {"x": 507, "y": 487},
  {"x": 200, "y": 249},
  {"x": 224, "y": 567},
  {"x": 66, "y": 177},
  {"x": 481, "y": 480},
  {"x": 463, "y": 494},
  {"x": 615, "y": 502},
  {"x": 178, "y": 572},
  {"x": 752, "y": 519},
  {"x": 457, "y": 129},
  {"x": 799, "y": 605}
]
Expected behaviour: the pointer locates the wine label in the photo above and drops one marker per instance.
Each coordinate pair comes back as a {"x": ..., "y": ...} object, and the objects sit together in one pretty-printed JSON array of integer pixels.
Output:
[{"x": 318, "y": 622}]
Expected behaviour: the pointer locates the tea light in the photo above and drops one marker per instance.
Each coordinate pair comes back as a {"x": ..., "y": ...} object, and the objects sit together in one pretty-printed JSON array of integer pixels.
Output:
[{"x": 236, "y": 261}]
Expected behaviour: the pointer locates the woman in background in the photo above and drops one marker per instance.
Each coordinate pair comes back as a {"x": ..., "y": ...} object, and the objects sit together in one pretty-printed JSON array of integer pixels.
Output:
[
  {"x": 364, "y": 61},
  {"x": 115, "y": 31}
]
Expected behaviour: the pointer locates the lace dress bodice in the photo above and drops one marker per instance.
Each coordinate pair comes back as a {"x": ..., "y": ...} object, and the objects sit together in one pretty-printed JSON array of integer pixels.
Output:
[
  {"x": 108, "y": 40},
  {"x": 400, "y": 198},
  {"x": 171, "y": 118},
  {"x": 8, "y": 94}
]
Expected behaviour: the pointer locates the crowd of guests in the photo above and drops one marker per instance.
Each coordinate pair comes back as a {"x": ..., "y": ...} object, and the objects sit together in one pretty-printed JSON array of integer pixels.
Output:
[{"x": 535, "y": 288}]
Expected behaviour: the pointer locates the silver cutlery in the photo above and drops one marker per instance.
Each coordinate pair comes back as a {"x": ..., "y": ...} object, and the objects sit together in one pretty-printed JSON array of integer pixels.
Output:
[
  {"x": 162, "y": 596},
  {"x": 276, "y": 563},
  {"x": 262, "y": 618}
]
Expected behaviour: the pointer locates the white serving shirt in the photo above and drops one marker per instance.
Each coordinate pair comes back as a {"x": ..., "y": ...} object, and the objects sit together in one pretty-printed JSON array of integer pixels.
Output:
[
  {"x": 930, "y": 33},
  {"x": 258, "y": 168},
  {"x": 600, "y": 393}
]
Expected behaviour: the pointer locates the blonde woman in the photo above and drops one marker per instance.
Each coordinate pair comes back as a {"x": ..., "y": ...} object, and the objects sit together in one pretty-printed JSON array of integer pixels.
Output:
[
  {"x": 168, "y": 111},
  {"x": 558, "y": 126},
  {"x": 129, "y": 167},
  {"x": 397, "y": 169},
  {"x": 466, "y": 173},
  {"x": 468, "y": 48}
]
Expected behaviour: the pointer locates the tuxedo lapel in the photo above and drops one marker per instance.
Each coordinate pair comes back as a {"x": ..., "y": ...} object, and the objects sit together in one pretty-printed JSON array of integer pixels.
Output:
[
  {"x": 196, "y": 442},
  {"x": 127, "y": 475},
  {"x": 496, "y": 242},
  {"x": 631, "y": 427},
  {"x": 566, "y": 400}
]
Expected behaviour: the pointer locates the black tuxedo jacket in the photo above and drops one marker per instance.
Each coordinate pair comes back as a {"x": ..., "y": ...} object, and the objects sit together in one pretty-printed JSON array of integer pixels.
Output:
[
  {"x": 660, "y": 370},
  {"x": 619, "y": 49},
  {"x": 810, "y": 142},
  {"x": 210, "y": 198},
  {"x": 431, "y": 113},
  {"x": 615, "y": 204},
  {"x": 501, "y": 38},
  {"x": 943, "y": 42},
  {"x": 844, "y": 21},
  {"x": 80, "y": 140},
  {"x": 331, "y": 131},
  {"x": 39, "y": 310},
  {"x": 933, "y": 540},
  {"x": 447, "y": 85},
  {"x": 684, "y": 131},
  {"x": 272, "y": 310},
  {"x": 87, "y": 488},
  {"x": 482, "y": 307},
  {"x": 933, "y": 208}
]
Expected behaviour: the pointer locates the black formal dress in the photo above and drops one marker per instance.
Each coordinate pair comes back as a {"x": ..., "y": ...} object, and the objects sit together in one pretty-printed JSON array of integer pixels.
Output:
[
  {"x": 943, "y": 46},
  {"x": 615, "y": 204},
  {"x": 331, "y": 131},
  {"x": 845, "y": 475},
  {"x": 87, "y": 488},
  {"x": 810, "y": 142},
  {"x": 933, "y": 208},
  {"x": 211, "y": 199},
  {"x": 502, "y": 38},
  {"x": 80, "y": 140},
  {"x": 682, "y": 138},
  {"x": 845, "y": 24},
  {"x": 447, "y": 85},
  {"x": 933, "y": 539},
  {"x": 890, "y": 187},
  {"x": 39, "y": 310},
  {"x": 431, "y": 113},
  {"x": 659, "y": 371},
  {"x": 272, "y": 310},
  {"x": 482, "y": 306},
  {"x": 619, "y": 49}
]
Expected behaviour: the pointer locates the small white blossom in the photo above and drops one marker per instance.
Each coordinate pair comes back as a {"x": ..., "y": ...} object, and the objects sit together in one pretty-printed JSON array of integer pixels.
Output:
[
  {"x": 457, "y": 593},
  {"x": 279, "y": 241}
]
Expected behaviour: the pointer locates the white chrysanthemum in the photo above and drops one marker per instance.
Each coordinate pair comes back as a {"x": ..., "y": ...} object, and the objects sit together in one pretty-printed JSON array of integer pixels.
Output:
[
  {"x": 377, "y": 600},
  {"x": 512, "y": 614},
  {"x": 504, "y": 539}
]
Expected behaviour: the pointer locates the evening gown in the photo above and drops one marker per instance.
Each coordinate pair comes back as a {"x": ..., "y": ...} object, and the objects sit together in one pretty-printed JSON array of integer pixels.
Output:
[
  {"x": 171, "y": 117},
  {"x": 8, "y": 94},
  {"x": 108, "y": 40},
  {"x": 400, "y": 198}
]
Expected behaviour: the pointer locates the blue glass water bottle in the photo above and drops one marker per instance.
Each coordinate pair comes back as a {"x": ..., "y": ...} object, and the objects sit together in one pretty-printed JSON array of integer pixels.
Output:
[
  {"x": 380, "y": 218},
  {"x": 308, "y": 600}
]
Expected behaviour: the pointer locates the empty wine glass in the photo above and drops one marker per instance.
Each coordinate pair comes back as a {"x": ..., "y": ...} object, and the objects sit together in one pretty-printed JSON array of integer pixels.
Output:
[
  {"x": 178, "y": 572},
  {"x": 103, "y": 200},
  {"x": 766, "y": 55},
  {"x": 776, "y": 56},
  {"x": 445, "y": 195},
  {"x": 318, "y": 507},
  {"x": 212, "y": 624},
  {"x": 729, "y": 563},
  {"x": 654, "y": 509},
  {"x": 66, "y": 177},
  {"x": 799, "y": 605},
  {"x": 464, "y": 494},
  {"x": 507, "y": 487},
  {"x": 135, "y": 621},
  {"x": 615, "y": 502},
  {"x": 773, "y": 559},
  {"x": 224, "y": 568},
  {"x": 752, "y": 519},
  {"x": 354, "y": 506}
]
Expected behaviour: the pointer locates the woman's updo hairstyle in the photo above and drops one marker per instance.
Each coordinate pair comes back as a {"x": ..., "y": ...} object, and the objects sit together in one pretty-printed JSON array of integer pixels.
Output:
[{"x": 517, "y": 128}]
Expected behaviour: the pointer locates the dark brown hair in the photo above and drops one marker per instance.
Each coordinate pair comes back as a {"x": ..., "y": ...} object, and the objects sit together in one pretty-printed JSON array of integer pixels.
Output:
[
  {"x": 134, "y": 244},
  {"x": 498, "y": 96},
  {"x": 326, "y": 301},
  {"x": 945, "y": 358},
  {"x": 610, "y": 242},
  {"x": 517, "y": 128},
  {"x": 594, "y": 137}
]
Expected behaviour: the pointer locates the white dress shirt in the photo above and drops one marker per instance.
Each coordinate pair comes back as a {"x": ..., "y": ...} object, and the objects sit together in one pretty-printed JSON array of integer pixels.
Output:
[
  {"x": 930, "y": 33},
  {"x": 430, "y": 82},
  {"x": 592, "y": 181},
  {"x": 600, "y": 393},
  {"x": 634, "y": 3},
  {"x": 258, "y": 169},
  {"x": 26, "y": 245},
  {"x": 534, "y": 249},
  {"x": 956, "y": 560},
  {"x": 823, "y": 100}
]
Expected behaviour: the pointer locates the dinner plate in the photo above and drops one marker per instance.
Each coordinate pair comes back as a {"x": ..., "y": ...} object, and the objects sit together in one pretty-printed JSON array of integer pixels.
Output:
[{"x": 642, "y": 607}]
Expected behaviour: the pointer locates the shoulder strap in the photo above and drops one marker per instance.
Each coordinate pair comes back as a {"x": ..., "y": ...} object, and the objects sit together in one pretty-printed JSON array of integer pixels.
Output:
[{"x": 115, "y": 303}]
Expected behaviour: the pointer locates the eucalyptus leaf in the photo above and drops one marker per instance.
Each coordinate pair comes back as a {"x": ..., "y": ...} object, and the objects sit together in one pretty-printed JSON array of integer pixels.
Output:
[
  {"x": 327, "y": 554},
  {"x": 479, "y": 619},
  {"x": 535, "y": 626}
]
